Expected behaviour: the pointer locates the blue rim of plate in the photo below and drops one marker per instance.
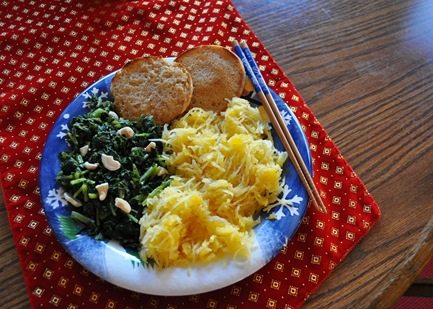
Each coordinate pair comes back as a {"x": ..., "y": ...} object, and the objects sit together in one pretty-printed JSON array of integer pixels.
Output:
[{"x": 109, "y": 261}]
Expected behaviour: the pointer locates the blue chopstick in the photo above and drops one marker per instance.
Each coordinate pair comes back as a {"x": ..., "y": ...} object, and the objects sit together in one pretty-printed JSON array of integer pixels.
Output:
[
  {"x": 249, "y": 70},
  {"x": 255, "y": 68},
  {"x": 262, "y": 90}
]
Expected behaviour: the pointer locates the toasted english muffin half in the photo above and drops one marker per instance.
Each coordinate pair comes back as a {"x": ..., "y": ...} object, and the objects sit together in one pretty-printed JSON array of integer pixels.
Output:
[
  {"x": 217, "y": 74},
  {"x": 152, "y": 86}
]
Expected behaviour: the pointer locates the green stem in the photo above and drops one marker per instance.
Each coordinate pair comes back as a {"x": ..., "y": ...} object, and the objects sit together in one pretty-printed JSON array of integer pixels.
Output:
[
  {"x": 132, "y": 218},
  {"x": 82, "y": 218},
  {"x": 76, "y": 193},
  {"x": 85, "y": 188},
  {"x": 65, "y": 177},
  {"x": 98, "y": 112},
  {"x": 77, "y": 181},
  {"x": 113, "y": 211},
  {"x": 158, "y": 189},
  {"x": 144, "y": 134},
  {"x": 80, "y": 159},
  {"x": 93, "y": 196},
  {"x": 151, "y": 171}
]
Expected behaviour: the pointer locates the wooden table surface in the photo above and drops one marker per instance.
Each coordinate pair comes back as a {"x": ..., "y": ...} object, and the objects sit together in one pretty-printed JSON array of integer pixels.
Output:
[{"x": 366, "y": 69}]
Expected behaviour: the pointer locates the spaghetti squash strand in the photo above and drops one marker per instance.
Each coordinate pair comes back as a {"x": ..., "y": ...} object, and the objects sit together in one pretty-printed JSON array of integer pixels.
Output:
[{"x": 226, "y": 170}]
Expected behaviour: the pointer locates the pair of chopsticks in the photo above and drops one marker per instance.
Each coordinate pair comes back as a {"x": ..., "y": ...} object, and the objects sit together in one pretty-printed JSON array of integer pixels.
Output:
[{"x": 262, "y": 90}]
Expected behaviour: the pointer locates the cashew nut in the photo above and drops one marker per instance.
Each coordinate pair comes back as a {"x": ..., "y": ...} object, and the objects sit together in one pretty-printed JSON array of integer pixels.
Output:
[
  {"x": 113, "y": 115},
  {"x": 74, "y": 202},
  {"x": 126, "y": 132},
  {"x": 122, "y": 205},
  {"x": 109, "y": 162},
  {"x": 149, "y": 147},
  {"x": 102, "y": 190},
  {"x": 161, "y": 171},
  {"x": 91, "y": 166},
  {"x": 84, "y": 150}
]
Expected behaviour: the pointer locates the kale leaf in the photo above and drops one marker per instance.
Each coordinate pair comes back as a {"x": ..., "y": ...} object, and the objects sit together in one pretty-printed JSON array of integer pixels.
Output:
[{"x": 134, "y": 181}]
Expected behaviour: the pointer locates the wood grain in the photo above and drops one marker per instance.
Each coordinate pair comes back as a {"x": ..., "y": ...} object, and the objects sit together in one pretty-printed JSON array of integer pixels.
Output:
[
  {"x": 12, "y": 289},
  {"x": 366, "y": 69}
]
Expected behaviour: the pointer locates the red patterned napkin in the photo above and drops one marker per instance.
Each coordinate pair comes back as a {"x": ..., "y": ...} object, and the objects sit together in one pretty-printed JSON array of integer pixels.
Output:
[{"x": 52, "y": 50}]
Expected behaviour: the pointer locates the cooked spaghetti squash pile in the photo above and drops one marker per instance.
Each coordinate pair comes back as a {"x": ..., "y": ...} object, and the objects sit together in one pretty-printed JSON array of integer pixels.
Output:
[{"x": 226, "y": 170}]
